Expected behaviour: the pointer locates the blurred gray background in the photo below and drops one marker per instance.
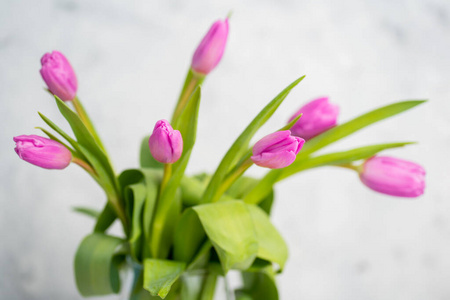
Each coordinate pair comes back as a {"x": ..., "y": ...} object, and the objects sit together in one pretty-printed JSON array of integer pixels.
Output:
[{"x": 346, "y": 242}]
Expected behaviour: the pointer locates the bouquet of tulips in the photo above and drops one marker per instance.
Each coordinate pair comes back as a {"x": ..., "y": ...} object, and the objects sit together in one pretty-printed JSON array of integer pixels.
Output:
[{"x": 181, "y": 233}]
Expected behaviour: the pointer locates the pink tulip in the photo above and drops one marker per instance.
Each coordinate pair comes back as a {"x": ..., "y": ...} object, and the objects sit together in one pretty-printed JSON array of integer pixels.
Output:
[
  {"x": 166, "y": 144},
  {"x": 318, "y": 116},
  {"x": 42, "y": 152},
  {"x": 59, "y": 75},
  {"x": 211, "y": 48},
  {"x": 277, "y": 150},
  {"x": 393, "y": 176}
]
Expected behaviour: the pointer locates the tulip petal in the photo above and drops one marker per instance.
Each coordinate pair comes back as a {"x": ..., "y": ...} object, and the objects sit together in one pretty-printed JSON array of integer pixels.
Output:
[{"x": 274, "y": 160}]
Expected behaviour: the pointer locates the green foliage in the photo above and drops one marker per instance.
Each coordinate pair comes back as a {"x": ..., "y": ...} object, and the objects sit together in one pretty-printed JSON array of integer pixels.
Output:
[
  {"x": 169, "y": 204},
  {"x": 176, "y": 225},
  {"x": 160, "y": 275},
  {"x": 140, "y": 189},
  {"x": 230, "y": 229},
  {"x": 105, "y": 219},
  {"x": 259, "y": 283},
  {"x": 96, "y": 265},
  {"x": 346, "y": 129},
  {"x": 271, "y": 245},
  {"x": 90, "y": 212},
  {"x": 240, "y": 146},
  {"x": 265, "y": 185}
]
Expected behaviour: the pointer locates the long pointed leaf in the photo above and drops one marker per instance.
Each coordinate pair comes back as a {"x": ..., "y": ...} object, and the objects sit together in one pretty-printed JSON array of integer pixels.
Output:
[
  {"x": 241, "y": 143},
  {"x": 265, "y": 185},
  {"x": 93, "y": 213},
  {"x": 84, "y": 137},
  {"x": 343, "y": 130}
]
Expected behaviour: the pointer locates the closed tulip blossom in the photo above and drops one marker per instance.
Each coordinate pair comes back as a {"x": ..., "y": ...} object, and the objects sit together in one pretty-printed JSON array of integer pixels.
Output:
[
  {"x": 277, "y": 150},
  {"x": 318, "y": 116},
  {"x": 166, "y": 144},
  {"x": 59, "y": 75},
  {"x": 211, "y": 48},
  {"x": 393, "y": 176},
  {"x": 42, "y": 152}
]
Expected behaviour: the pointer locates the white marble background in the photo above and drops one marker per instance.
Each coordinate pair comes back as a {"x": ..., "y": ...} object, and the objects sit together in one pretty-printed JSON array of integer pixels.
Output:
[{"x": 346, "y": 242}]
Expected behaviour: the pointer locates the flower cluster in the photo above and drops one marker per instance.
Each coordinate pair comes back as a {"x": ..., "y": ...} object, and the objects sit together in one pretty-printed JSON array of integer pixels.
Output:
[{"x": 174, "y": 223}]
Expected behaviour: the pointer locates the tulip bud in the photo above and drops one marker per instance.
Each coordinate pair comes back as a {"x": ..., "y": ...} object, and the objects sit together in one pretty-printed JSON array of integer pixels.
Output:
[
  {"x": 277, "y": 150},
  {"x": 393, "y": 176},
  {"x": 318, "y": 116},
  {"x": 166, "y": 144},
  {"x": 42, "y": 152},
  {"x": 211, "y": 48},
  {"x": 59, "y": 75}
]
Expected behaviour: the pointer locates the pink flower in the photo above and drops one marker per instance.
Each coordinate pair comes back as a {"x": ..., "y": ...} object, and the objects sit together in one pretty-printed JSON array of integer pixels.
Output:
[
  {"x": 277, "y": 150},
  {"x": 318, "y": 116},
  {"x": 211, "y": 48},
  {"x": 42, "y": 152},
  {"x": 166, "y": 144},
  {"x": 393, "y": 176},
  {"x": 59, "y": 75}
]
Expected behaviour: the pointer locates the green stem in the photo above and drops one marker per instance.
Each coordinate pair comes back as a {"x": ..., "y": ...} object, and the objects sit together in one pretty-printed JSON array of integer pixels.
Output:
[
  {"x": 112, "y": 198},
  {"x": 166, "y": 176},
  {"x": 350, "y": 166},
  {"x": 87, "y": 167},
  {"x": 209, "y": 286},
  {"x": 86, "y": 120},
  {"x": 192, "y": 80},
  {"x": 120, "y": 212},
  {"x": 232, "y": 176}
]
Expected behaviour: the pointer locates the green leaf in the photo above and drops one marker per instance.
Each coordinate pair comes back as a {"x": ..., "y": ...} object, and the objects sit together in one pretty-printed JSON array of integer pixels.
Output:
[
  {"x": 201, "y": 260},
  {"x": 187, "y": 122},
  {"x": 271, "y": 246},
  {"x": 169, "y": 203},
  {"x": 53, "y": 137},
  {"x": 105, "y": 219},
  {"x": 266, "y": 203},
  {"x": 62, "y": 133},
  {"x": 263, "y": 188},
  {"x": 241, "y": 144},
  {"x": 135, "y": 195},
  {"x": 343, "y": 130},
  {"x": 84, "y": 137},
  {"x": 192, "y": 190},
  {"x": 241, "y": 187},
  {"x": 164, "y": 223},
  {"x": 137, "y": 291},
  {"x": 96, "y": 265},
  {"x": 188, "y": 236},
  {"x": 338, "y": 158},
  {"x": 140, "y": 188},
  {"x": 109, "y": 186},
  {"x": 90, "y": 212},
  {"x": 160, "y": 275},
  {"x": 229, "y": 227},
  {"x": 146, "y": 158},
  {"x": 259, "y": 283},
  {"x": 265, "y": 185}
]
